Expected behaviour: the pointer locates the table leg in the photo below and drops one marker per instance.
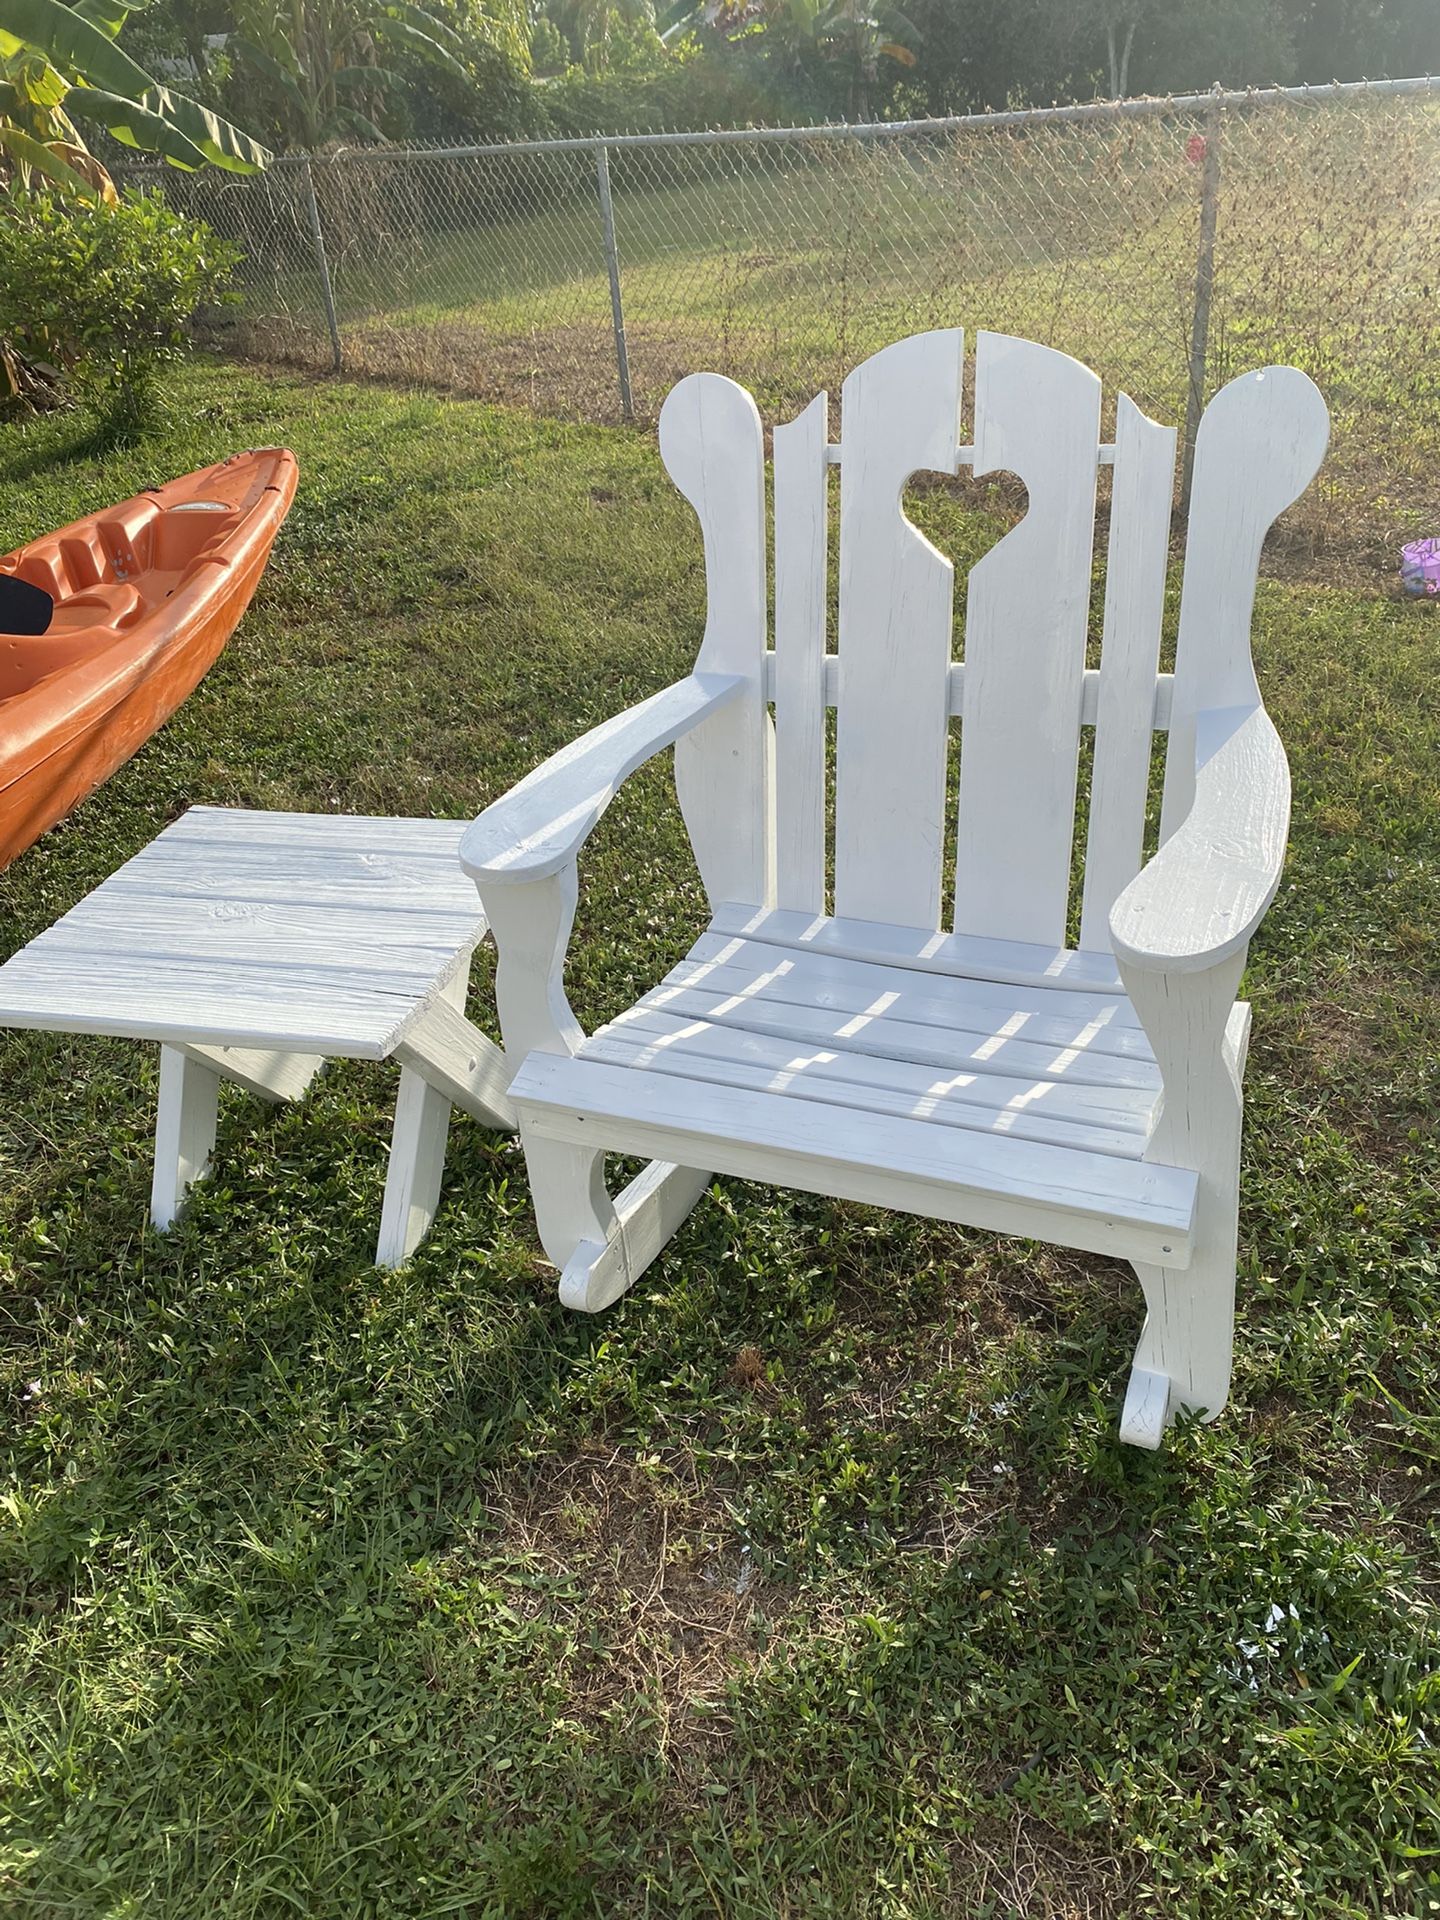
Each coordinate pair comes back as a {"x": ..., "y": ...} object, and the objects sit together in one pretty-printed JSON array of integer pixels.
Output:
[
  {"x": 417, "y": 1166},
  {"x": 184, "y": 1131},
  {"x": 417, "y": 1155}
]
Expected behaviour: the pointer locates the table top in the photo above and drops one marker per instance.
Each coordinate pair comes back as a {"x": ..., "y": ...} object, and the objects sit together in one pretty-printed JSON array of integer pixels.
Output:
[{"x": 318, "y": 933}]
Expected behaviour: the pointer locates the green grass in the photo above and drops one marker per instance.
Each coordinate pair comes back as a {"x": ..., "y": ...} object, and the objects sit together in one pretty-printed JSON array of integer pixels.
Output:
[{"x": 809, "y": 1580}]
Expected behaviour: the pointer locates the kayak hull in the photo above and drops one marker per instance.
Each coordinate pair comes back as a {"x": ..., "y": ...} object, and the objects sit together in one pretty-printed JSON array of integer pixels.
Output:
[{"x": 146, "y": 595}]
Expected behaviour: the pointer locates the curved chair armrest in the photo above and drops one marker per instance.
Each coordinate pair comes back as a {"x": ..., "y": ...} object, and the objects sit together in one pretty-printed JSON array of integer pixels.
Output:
[
  {"x": 539, "y": 826},
  {"x": 1201, "y": 898}
]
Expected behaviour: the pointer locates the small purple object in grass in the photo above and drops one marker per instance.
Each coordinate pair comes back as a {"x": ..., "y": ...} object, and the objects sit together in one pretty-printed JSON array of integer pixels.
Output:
[{"x": 1420, "y": 566}]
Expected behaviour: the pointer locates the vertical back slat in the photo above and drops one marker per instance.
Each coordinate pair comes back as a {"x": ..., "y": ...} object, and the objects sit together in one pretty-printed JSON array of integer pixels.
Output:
[
  {"x": 714, "y": 450},
  {"x": 1260, "y": 444},
  {"x": 1129, "y": 660},
  {"x": 901, "y": 413},
  {"x": 1037, "y": 414},
  {"x": 801, "y": 556}
]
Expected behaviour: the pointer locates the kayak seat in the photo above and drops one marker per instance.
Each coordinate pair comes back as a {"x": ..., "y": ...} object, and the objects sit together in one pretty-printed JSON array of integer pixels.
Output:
[
  {"x": 115, "y": 605},
  {"x": 83, "y": 558}
]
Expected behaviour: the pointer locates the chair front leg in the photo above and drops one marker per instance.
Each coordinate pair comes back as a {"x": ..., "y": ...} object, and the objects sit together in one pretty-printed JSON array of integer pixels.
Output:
[
  {"x": 600, "y": 1245},
  {"x": 1184, "y": 1354}
]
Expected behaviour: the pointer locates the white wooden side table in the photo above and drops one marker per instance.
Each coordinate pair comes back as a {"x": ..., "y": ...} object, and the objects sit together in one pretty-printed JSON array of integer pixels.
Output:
[{"x": 253, "y": 946}]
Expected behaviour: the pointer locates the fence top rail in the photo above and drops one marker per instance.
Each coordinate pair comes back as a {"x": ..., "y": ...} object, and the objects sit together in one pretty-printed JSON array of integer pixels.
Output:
[{"x": 1140, "y": 108}]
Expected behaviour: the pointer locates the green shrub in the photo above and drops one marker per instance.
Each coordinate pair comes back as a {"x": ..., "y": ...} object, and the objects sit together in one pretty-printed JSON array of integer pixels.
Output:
[
  {"x": 688, "y": 93},
  {"x": 98, "y": 296}
]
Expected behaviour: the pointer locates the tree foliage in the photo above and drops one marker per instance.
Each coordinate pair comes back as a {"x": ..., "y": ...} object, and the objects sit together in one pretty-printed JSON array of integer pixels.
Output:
[{"x": 62, "y": 65}]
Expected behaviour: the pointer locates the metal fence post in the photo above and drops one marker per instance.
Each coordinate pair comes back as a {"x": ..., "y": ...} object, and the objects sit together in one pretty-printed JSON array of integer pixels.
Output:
[
  {"x": 322, "y": 265},
  {"x": 1204, "y": 287},
  {"x": 612, "y": 261}
]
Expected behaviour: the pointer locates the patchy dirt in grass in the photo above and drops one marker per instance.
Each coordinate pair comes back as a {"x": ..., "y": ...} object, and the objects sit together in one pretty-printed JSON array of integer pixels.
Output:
[{"x": 658, "y": 1569}]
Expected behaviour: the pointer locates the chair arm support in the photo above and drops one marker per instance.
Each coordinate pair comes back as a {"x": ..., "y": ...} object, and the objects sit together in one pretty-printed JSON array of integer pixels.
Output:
[
  {"x": 539, "y": 826},
  {"x": 1197, "y": 903}
]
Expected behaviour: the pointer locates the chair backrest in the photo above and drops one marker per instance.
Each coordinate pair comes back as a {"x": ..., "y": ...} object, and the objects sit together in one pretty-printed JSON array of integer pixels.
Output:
[{"x": 755, "y": 791}]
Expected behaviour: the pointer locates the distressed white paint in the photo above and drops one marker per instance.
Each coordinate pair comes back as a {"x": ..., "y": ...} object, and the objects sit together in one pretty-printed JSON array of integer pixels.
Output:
[
  {"x": 1130, "y": 654},
  {"x": 802, "y": 533},
  {"x": 990, "y": 1075},
  {"x": 714, "y": 450},
  {"x": 1037, "y": 415},
  {"x": 1260, "y": 444},
  {"x": 900, "y": 415},
  {"x": 255, "y": 945}
]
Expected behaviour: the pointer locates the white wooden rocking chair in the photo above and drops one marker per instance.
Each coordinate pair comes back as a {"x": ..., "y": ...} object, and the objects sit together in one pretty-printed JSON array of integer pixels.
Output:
[{"x": 847, "y": 1044}]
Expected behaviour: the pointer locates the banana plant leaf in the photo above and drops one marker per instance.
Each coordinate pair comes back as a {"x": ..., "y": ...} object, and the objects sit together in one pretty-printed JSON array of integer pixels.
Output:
[
  {"x": 430, "y": 24},
  {"x": 73, "y": 44},
  {"x": 28, "y": 152},
  {"x": 222, "y": 144},
  {"x": 390, "y": 27},
  {"x": 346, "y": 77},
  {"x": 134, "y": 125},
  {"x": 348, "y": 120},
  {"x": 108, "y": 15}
]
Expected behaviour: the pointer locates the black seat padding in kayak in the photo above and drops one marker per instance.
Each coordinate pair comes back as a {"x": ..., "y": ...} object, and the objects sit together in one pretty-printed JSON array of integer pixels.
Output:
[{"x": 23, "y": 608}]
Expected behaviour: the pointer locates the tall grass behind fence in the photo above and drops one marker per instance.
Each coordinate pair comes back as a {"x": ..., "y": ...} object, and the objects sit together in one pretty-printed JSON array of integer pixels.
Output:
[{"x": 1305, "y": 226}]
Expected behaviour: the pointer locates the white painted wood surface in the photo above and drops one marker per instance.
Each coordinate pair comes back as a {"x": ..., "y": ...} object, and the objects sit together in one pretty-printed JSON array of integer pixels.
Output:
[
  {"x": 802, "y": 535},
  {"x": 541, "y": 824},
  {"x": 185, "y": 1122},
  {"x": 254, "y": 945},
  {"x": 986, "y": 1006},
  {"x": 1260, "y": 444},
  {"x": 965, "y": 955},
  {"x": 1037, "y": 415},
  {"x": 265, "y": 1072},
  {"x": 1100, "y": 1119},
  {"x": 1097, "y": 1202},
  {"x": 979, "y": 1040},
  {"x": 1089, "y": 690},
  {"x": 1139, "y": 549},
  {"x": 417, "y": 1139},
  {"x": 989, "y": 1076},
  {"x": 900, "y": 415},
  {"x": 1188, "y": 1333},
  {"x": 285, "y": 933},
  {"x": 714, "y": 450},
  {"x": 1205, "y": 892}
]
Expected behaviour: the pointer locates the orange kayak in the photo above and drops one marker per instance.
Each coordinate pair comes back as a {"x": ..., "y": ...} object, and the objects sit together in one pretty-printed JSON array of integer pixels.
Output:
[{"x": 145, "y": 596}]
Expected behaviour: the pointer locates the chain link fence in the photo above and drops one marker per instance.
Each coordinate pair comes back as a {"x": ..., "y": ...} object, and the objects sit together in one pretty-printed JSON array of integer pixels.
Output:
[{"x": 1168, "y": 244}]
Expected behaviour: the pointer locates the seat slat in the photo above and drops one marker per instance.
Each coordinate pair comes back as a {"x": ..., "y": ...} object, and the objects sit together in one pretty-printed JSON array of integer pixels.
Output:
[
  {"x": 1037, "y": 414},
  {"x": 1019, "y": 962},
  {"x": 1130, "y": 654},
  {"x": 726, "y": 1057},
  {"x": 677, "y": 1026},
  {"x": 801, "y": 556},
  {"x": 880, "y": 1033},
  {"x": 992, "y": 1013},
  {"x": 979, "y": 1006},
  {"x": 901, "y": 411},
  {"x": 1099, "y": 1202}
]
